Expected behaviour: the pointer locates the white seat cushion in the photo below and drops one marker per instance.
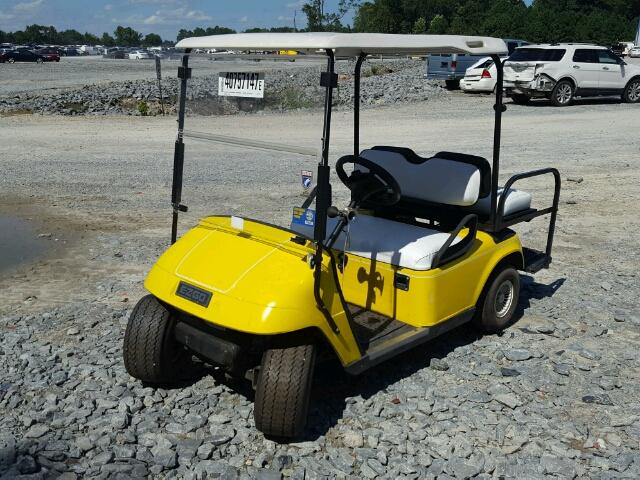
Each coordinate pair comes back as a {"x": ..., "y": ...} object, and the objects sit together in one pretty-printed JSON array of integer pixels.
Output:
[
  {"x": 516, "y": 201},
  {"x": 387, "y": 241},
  {"x": 436, "y": 180}
]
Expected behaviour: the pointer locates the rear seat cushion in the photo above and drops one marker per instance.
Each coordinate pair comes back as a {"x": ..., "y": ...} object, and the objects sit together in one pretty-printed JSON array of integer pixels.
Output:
[
  {"x": 516, "y": 201},
  {"x": 386, "y": 241},
  {"x": 434, "y": 180}
]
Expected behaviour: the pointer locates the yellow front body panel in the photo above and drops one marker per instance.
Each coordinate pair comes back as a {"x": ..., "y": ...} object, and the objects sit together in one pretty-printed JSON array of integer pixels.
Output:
[{"x": 261, "y": 282}]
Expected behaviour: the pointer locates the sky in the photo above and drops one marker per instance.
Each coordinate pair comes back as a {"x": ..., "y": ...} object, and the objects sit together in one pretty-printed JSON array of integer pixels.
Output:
[{"x": 164, "y": 17}]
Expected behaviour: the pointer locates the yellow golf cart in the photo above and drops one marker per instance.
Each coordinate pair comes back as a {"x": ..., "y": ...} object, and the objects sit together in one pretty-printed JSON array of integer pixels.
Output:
[{"x": 423, "y": 246}]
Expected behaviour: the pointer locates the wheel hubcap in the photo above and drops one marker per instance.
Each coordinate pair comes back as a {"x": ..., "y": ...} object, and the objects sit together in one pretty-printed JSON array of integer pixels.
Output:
[
  {"x": 564, "y": 93},
  {"x": 504, "y": 298},
  {"x": 634, "y": 91}
]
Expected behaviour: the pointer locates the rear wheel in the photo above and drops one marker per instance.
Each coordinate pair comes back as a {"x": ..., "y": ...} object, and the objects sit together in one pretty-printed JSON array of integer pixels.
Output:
[
  {"x": 150, "y": 351},
  {"x": 452, "y": 84},
  {"x": 498, "y": 301},
  {"x": 520, "y": 99},
  {"x": 283, "y": 390},
  {"x": 11, "y": 60},
  {"x": 39, "y": 60},
  {"x": 562, "y": 93},
  {"x": 631, "y": 92}
]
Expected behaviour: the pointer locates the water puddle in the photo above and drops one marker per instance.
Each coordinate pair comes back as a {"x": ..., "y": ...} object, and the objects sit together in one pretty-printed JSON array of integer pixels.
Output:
[{"x": 19, "y": 242}]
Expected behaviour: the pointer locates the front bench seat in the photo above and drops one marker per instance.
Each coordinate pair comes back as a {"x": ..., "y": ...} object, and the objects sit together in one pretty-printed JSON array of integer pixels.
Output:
[{"x": 379, "y": 239}]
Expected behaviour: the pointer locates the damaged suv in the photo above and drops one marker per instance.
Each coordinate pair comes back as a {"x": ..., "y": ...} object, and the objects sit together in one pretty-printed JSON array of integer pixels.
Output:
[{"x": 561, "y": 72}]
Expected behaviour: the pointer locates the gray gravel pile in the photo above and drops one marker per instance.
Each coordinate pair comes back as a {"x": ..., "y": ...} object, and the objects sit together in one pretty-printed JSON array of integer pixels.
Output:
[
  {"x": 286, "y": 89},
  {"x": 557, "y": 397}
]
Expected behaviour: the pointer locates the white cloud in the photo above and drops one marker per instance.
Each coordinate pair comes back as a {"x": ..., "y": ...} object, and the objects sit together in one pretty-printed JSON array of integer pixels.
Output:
[
  {"x": 166, "y": 17},
  {"x": 108, "y": 7},
  {"x": 284, "y": 18},
  {"x": 6, "y": 16},
  {"x": 27, "y": 6},
  {"x": 197, "y": 15},
  {"x": 244, "y": 19},
  {"x": 296, "y": 5}
]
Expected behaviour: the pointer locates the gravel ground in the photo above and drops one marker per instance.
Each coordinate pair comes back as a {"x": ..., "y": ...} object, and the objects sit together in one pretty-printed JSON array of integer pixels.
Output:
[
  {"x": 556, "y": 395},
  {"x": 54, "y": 88}
]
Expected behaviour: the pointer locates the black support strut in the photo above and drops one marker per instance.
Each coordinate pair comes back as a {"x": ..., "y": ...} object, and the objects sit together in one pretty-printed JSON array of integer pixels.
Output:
[
  {"x": 184, "y": 72},
  {"x": 356, "y": 104},
  {"x": 495, "y": 170}
]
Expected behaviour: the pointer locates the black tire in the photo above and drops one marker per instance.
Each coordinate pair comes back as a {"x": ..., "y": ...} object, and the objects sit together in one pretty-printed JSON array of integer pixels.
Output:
[
  {"x": 150, "y": 352},
  {"x": 498, "y": 301},
  {"x": 562, "y": 93},
  {"x": 520, "y": 99},
  {"x": 11, "y": 60},
  {"x": 283, "y": 391},
  {"x": 452, "y": 84},
  {"x": 39, "y": 60},
  {"x": 631, "y": 92}
]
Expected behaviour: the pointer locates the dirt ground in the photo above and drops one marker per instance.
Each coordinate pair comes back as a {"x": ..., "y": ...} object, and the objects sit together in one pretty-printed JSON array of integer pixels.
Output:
[{"x": 556, "y": 394}]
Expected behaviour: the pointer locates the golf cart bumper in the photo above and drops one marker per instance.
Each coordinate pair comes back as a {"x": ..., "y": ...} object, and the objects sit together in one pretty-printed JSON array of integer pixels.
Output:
[{"x": 540, "y": 87}]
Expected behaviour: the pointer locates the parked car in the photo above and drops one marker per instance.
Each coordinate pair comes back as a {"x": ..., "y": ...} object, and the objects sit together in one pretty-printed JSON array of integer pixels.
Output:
[
  {"x": 70, "y": 52},
  {"x": 561, "y": 72},
  {"x": 115, "y": 53},
  {"x": 634, "y": 52},
  {"x": 50, "y": 54},
  {"x": 452, "y": 67},
  {"x": 140, "y": 55},
  {"x": 21, "y": 55},
  {"x": 480, "y": 77},
  {"x": 619, "y": 49}
]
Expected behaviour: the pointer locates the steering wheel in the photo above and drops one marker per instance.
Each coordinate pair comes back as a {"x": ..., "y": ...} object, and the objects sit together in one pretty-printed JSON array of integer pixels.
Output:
[{"x": 375, "y": 186}]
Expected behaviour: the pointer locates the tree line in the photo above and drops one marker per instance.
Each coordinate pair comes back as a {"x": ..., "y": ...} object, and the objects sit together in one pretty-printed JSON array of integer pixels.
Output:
[{"x": 599, "y": 21}]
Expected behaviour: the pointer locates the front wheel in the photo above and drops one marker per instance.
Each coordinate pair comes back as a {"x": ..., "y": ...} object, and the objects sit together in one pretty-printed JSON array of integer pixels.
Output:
[
  {"x": 39, "y": 60},
  {"x": 498, "y": 301},
  {"x": 11, "y": 60},
  {"x": 562, "y": 94},
  {"x": 283, "y": 390},
  {"x": 631, "y": 92},
  {"x": 150, "y": 351}
]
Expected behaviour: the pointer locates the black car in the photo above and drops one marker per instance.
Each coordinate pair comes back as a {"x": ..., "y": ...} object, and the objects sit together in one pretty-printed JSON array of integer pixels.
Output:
[
  {"x": 115, "y": 53},
  {"x": 70, "y": 52},
  {"x": 21, "y": 55},
  {"x": 618, "y": 49}
]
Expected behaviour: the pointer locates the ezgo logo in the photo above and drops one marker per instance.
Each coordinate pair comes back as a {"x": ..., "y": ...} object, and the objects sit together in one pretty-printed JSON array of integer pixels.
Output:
[{"x": 194, "y": 294}]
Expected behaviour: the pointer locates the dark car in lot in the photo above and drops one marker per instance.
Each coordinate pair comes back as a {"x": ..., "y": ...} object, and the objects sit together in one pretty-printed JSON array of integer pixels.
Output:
[
  {"x": 69, "y": 52},
  {"x": 116, "y": 53},
  {"x": 21, "y": 55},
  {"x": 50, "y": 54}
]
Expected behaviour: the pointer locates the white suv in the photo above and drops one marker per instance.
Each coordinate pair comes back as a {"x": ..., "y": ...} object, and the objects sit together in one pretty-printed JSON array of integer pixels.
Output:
[{"x": 561, "y": 72}]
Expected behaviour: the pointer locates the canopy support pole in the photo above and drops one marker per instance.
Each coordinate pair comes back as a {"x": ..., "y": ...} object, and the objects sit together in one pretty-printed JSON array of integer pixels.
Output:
[
  {"x": 499, "y": 108},
  {"x": 329, "y": 80},
  {"x": 356, "y": 104},
  {"x": 184, "y": 72}
]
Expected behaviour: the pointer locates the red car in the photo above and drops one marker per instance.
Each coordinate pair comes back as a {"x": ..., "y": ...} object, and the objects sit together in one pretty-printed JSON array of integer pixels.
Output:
[{"x": 49, "y": 54}]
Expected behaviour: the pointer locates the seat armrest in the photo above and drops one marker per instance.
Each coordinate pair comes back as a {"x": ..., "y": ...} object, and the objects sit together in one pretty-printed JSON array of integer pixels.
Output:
[{"x": 447, "y": 252}]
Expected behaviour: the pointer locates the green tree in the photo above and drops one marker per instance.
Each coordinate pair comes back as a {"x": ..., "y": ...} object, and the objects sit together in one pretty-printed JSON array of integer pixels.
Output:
[
  {"x": 438, "y": 25},
  {"x": 420, "y": 26},
  {"x": 152, "y": 40},
  {"x": 107, "y": 40},
  {"x": 319, "y": 20},
  {"x": 127, "y": 36}
]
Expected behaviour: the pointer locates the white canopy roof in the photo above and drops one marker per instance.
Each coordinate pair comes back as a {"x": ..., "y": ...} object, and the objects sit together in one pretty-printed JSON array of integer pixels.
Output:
[{"x": 351, "y": 44}]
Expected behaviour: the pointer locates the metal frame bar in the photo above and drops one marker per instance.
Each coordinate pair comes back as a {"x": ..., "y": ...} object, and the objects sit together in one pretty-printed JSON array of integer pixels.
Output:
[
  {"x": 497, "y": 132},
  {"x": 178, "y": 156},
  {"x": 356, "y": 104}
]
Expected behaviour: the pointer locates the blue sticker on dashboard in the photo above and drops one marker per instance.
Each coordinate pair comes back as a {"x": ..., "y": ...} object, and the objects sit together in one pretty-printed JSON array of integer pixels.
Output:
[{"x": 304, "y": 216}]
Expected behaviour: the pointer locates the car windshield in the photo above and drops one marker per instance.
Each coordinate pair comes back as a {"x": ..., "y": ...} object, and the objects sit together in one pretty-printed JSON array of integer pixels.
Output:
[{"x": 537, "y": 55}]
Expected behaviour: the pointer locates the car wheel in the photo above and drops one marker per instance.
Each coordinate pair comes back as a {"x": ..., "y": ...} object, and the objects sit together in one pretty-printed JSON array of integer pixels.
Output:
[
  {"x": 562, "y": 93},
  {"x": 452, "y": 84},
  {"x": 38, "y": 60},
  {"x": 520, "y": 99},
  {"x": 150, "y": 351},
  {"x": 283, "y": 390},
  {"x": 632, "y": 91},
  {"x": 498, "y": 301},
  {"x": 11, "y": 60}
]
